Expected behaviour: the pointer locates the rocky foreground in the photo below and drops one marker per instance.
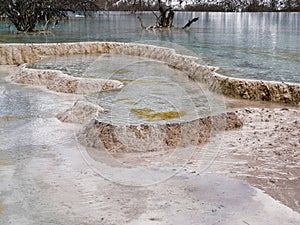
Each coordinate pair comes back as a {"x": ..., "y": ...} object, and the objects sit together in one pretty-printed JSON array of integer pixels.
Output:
[
  {"x": 264, "y": 152},
  {"x": 92, "y": 185}
]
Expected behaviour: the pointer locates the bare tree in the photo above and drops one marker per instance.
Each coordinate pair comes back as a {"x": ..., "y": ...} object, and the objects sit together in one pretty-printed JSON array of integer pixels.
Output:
[
  {"x": 136, "y": 5},
  {"x": 25, "y": 14},
  {"x": 165, "y": 17}
]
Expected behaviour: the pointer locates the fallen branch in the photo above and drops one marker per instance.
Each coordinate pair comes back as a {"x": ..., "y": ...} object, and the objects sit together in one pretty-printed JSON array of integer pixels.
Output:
[{"x": 190, "y": 22}]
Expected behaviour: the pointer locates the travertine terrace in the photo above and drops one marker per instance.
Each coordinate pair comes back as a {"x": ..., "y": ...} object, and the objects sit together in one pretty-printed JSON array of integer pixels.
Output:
[{"x": 16, "y": 54}]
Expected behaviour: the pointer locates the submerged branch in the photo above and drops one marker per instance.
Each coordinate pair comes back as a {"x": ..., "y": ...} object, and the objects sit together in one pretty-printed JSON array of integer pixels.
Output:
[
  {"x": 190, "y": 22},
  {"x": 141, "y": 22}
]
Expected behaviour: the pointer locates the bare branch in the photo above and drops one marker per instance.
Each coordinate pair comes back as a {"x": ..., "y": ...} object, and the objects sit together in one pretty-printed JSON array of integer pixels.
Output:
[
  {"x": 141, "y": 22},
  {"x": 190, "y": 22}
]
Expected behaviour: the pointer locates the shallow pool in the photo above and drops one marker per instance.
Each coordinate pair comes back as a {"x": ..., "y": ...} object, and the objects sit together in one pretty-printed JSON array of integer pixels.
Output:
[{"x": 153, "y": 92}]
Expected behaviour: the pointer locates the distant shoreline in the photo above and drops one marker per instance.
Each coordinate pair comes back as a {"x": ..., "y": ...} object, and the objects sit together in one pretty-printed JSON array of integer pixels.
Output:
[{"x": 195, "y": 10}]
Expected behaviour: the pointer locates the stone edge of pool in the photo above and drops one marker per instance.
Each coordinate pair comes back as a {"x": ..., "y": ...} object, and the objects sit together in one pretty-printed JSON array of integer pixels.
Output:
[
  {"x": 56, "y": 80},
  {"x": 130, "y": 138},
  {"x": 279, "y": 92},
  {"x": 154, "y": 137}
]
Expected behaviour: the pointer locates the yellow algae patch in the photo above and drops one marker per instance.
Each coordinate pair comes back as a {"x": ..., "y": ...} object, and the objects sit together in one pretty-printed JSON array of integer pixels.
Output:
[
  {"x": 142, "y": 113},
  {"x": 125, "y": 80},
  {"x": 131, "y": 103},
  {"x": 90, "y": 76},
  {"x": 3, "y": 164},
  {"x": 151, "y": 115},
  {"x": 167, "y": 115},
  {"x": 121, "y": 99},
  {"x": 120, "y": 71},
  {"x": 126, "y": 100},
  {"x": 9, "y": 118}
]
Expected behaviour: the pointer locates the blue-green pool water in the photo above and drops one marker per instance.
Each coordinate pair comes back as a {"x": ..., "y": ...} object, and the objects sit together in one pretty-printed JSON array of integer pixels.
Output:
[{"x": 261, "y": 46}]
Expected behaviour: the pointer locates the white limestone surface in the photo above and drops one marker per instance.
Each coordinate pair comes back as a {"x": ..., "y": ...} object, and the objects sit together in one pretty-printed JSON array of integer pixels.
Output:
[{"x": 56, "y": 80}]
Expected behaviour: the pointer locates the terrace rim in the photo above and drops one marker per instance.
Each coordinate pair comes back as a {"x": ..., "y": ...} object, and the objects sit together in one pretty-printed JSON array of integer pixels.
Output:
[{"x": 279, "y": 92}]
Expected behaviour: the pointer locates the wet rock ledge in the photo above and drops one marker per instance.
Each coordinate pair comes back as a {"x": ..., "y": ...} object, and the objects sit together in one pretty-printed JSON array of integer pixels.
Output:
[
  {"x": 233, "y": 87},
  {"x": 16, "y": 54},
  {"x": 56, "y": 80},
  {"x": 143, "y": 137},
  {"x": 153, "y": 137}
]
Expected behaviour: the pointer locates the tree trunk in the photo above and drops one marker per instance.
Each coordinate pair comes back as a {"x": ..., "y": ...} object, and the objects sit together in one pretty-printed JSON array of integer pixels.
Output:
[{"x": 166, "y": 16}]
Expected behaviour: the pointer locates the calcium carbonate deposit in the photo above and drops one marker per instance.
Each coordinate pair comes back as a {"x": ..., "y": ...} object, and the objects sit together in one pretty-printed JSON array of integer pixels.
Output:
[{"x": 139, "y": 115}]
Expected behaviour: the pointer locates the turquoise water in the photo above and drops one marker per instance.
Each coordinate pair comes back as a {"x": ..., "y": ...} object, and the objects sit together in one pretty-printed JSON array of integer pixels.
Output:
[
  {"x": 262, "y": 46},
  {"x": 151, "y": 87}
]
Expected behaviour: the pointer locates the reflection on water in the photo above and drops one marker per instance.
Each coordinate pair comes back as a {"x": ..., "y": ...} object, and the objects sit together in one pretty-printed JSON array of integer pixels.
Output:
[
  {"x": 153, "y": 92},
  {"x": 248, "y": 45}
]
